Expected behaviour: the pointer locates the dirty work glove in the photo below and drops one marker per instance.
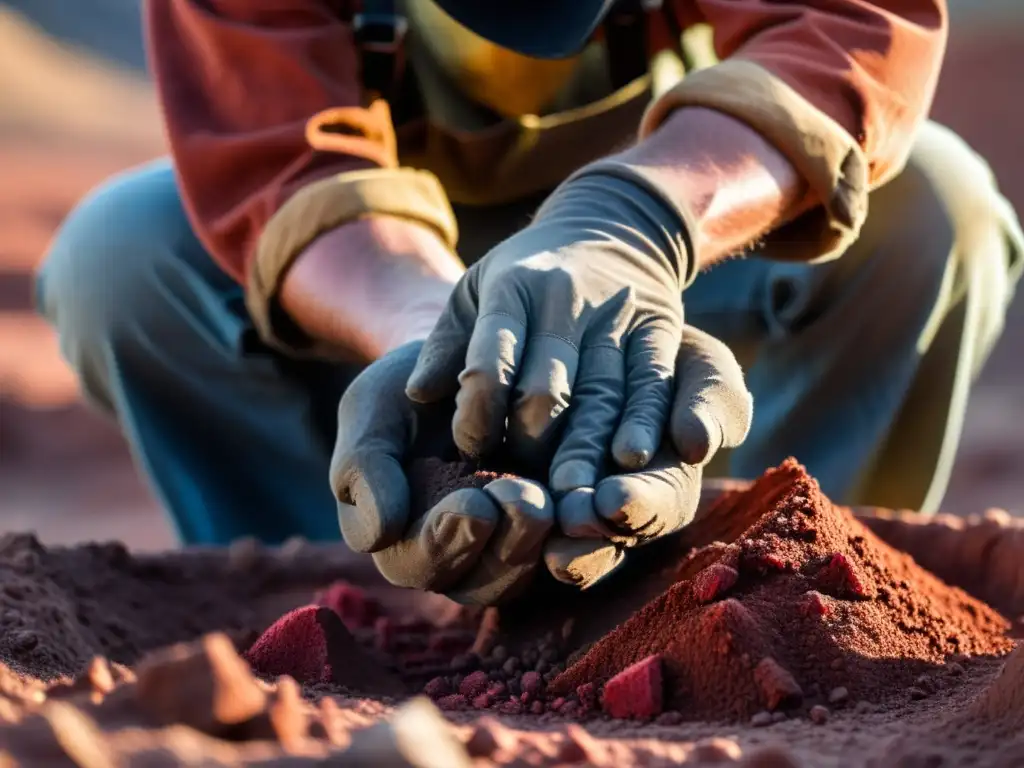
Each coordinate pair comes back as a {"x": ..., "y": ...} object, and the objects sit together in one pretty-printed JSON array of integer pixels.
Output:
[
  {"x": 711, "y": 409},
  {"x": 583, "y": 306},
  {"x": 475, "y": 545}
]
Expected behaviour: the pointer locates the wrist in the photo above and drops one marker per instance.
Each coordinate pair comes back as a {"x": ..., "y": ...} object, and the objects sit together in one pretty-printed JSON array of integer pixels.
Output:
[
  {"x": 608, "y": 201},
  {"x": 370, "y": 286},
  {"x": 735, "y": 185}
]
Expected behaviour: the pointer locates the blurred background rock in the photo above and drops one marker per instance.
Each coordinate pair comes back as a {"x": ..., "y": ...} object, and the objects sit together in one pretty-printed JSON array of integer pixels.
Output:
[{"x": 75, "y": 107}]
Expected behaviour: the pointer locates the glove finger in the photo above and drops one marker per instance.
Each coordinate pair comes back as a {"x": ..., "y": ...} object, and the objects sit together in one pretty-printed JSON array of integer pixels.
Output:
[
  {"x": 542, "y": 393},
  {"x": 441, "y": 547},
  {"x": 509, "y": 562},
  {"x": 375, "y": 426},
  {"x": 651, "y": 503},
  {"x": 436, "y": 375},
  {"x": 581, "y": 562},
  {"x": 373, "y": 502},
  {"x": 597, "y": 401},
  {"x": 650, "y": 368},
  {"x": 528, "y": 517},
  {"x": 713, "y": 408},
  {"x": 485, "y": 383},
  {"x": 577, "y": 517}
]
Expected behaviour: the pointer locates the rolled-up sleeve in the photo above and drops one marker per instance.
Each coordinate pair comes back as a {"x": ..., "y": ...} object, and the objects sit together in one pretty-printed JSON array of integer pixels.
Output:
[
  {"x": 838, "y": 86},
  {"x": 271, "y": 141}
]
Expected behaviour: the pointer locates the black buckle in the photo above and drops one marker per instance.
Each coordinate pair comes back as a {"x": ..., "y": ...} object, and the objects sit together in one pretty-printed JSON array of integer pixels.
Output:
[{"x": 381, "y": 41}]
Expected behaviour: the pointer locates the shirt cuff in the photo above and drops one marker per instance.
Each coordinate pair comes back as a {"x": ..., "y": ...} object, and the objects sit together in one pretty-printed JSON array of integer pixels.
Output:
[
  {"x": 822, "y": 152},
  {"x": 405, "y": 193}
]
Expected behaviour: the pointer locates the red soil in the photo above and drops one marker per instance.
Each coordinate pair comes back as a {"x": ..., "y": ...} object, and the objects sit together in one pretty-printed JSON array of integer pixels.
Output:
[
  {"x": 827, "y": 615},
  {"x": 804, "y": 602}
]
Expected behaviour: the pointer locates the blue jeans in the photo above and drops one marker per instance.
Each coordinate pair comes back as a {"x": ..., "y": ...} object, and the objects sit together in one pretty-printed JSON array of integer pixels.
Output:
[{"x": 858, "y": 367}]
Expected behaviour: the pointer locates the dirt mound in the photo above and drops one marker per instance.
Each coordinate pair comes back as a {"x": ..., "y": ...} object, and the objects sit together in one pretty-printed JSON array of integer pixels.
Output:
[{"x": 806, "y": 606}]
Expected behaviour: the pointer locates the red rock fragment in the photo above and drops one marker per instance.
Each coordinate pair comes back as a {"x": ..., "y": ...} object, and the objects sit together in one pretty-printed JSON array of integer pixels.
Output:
[
  {"x": 295, "y": 645},
  {"x": 483, "y": 701},
  {"x": 474, "y": 684},
  {"x": 763, "y": 562},
  {"x": 636, "y": 692},
  {"x": 713, "y": 582},
  {"x": 537, "y": 708},
  {"x": 532, "y": 683},
  {"x": 437, "y": 687},
  {"x": 353, "y": 606},
  {"x": 813, "y": 603},
  {"x": 778, "y": 687},
  {"x": 839, "y": 578}
]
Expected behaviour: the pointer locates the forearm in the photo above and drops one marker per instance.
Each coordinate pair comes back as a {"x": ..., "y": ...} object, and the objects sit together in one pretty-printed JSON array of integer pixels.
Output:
[
  {"x": 370, "y": 286},
  {"x": 734, "y": 184}
]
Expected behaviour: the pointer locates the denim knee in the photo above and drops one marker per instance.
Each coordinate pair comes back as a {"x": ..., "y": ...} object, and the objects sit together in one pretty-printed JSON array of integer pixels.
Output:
[{"x": 99, "y": 283}]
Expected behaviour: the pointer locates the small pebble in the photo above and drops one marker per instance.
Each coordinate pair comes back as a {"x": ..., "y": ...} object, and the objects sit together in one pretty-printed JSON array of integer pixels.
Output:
[
  {"x": 511, "y": 707},
  {"x": 537, "y": 708},
  {"x": 474, "y": 684},
  {"x": 511, "y": 665},
  {"x": 954, "y": 669},
  {"x": 837, "y": 664},
  {"x": 918, "y": 693},
  {"x": 819, "y": 714},
  {"x": 838, "y": 695},
  {"x": 778, "y": 717},
  {"x": 761, "y": 719},
  {"x": 669, "y": 718},
  {"x": 532, "y": 683}
]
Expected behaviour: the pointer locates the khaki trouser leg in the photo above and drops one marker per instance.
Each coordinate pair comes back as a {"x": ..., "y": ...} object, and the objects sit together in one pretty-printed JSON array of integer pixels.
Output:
[{"x": 985, "y": 261}]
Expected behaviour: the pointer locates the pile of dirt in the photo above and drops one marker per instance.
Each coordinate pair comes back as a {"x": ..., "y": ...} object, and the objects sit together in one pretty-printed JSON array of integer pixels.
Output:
[{"x": 805, "y": 607}]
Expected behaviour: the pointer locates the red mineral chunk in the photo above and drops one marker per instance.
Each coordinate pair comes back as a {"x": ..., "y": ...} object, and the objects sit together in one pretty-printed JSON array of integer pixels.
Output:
[
  {"x": 777, "y": 685},
  {"x": 295, "y": 645},
  {"x": 636, "y": 692},
  {"x": 839, "y": 578},
  {"x": 813, "y": 603},
  {"x": 713, "y": 582}
]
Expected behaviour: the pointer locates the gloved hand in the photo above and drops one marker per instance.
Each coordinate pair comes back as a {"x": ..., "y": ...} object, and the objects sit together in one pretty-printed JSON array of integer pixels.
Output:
[
  {"x": 475, "y": 545},
  {"x": 712, "y": 409},
  {"x": 583, "y": 305}
]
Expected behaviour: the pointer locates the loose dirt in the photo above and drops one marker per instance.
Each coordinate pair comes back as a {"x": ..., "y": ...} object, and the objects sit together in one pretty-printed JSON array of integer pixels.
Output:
[{"x": 777, "y": 631}]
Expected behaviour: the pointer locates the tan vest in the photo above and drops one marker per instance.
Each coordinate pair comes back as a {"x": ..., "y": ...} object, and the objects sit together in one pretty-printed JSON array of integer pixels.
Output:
[{"x": 500, "y": 126}]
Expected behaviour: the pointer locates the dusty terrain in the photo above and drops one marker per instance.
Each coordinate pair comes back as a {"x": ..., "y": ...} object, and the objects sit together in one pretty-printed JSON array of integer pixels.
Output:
[{"x": 879, "y": 664}]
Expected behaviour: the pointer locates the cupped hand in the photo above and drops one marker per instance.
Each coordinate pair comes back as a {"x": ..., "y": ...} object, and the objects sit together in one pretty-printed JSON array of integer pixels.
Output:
[
  {"x": 712, "y": 409},
  {"x": 475, "y": 545}
]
